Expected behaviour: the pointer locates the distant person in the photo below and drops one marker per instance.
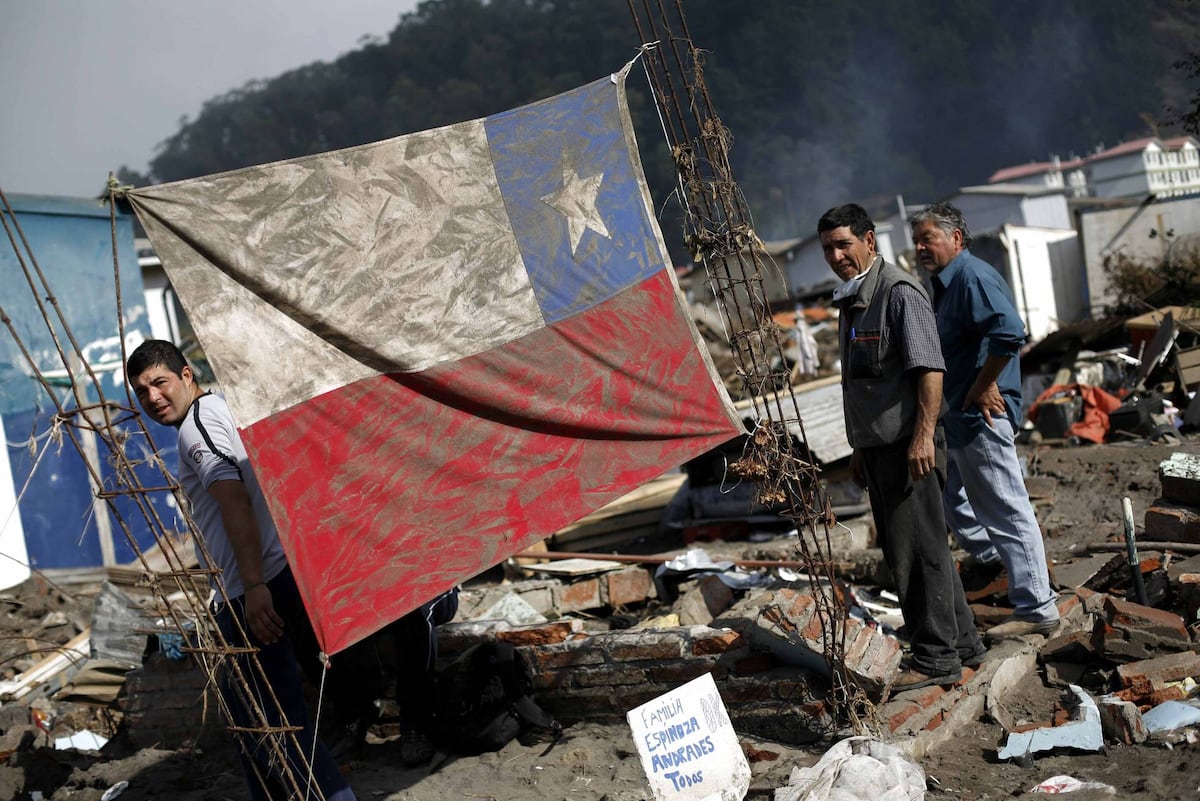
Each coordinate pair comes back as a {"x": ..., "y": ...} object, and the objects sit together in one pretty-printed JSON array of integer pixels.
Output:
[
  {"x": 892, "y": 395},
  {"x": 987, "y": 505},
  {"x": 254, "y": 585}
]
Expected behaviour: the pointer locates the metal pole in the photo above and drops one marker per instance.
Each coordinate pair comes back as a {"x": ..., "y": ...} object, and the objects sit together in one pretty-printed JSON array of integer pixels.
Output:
[{"x": 1135, "y": 565}]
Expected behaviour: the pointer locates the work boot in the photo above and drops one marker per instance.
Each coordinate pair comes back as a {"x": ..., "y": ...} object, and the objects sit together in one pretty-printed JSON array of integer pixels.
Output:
[
  {"x": 415, "y": 748},
  {"x": 911, "y": 677},
  {"x": 1014, "y": 627}
]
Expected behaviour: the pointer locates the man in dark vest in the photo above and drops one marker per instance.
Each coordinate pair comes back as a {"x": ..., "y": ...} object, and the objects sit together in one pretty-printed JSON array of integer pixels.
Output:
[{"x": 892, "y": 396}]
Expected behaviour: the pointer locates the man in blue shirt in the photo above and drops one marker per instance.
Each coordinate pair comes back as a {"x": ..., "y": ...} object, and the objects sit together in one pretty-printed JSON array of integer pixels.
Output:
[{"x": 986, "y": 503}]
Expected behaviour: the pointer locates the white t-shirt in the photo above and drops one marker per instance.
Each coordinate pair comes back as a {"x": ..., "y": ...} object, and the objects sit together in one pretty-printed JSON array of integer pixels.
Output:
[{"x": 218, "y": 457}]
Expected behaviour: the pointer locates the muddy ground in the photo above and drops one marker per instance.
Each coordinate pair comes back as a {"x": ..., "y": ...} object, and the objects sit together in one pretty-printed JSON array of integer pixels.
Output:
[{"x": 598, "y": 763}]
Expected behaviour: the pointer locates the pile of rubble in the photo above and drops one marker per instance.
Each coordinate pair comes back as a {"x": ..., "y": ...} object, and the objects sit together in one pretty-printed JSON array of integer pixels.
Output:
[{"x": 600, "y": 635}]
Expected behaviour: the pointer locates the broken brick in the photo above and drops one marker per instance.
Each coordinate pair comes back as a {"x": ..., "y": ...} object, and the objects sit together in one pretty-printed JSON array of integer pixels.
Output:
[
  {"x": 1160, "y": 623},
  {"x": 632, "y": 585},
  {"x": 1074, "y": 647},
  {"x": 719, "y": 642},
  {"x": 578, "y": 596},
  {"x": 897, "y": 713},
  {"x": 541, "y": 634},
  {"x": 801, "y": 641},
  {"x": 1169, "y": 522},
  {"x": 1120, "y": 720},
  {"x": 1154, "y": 674}
]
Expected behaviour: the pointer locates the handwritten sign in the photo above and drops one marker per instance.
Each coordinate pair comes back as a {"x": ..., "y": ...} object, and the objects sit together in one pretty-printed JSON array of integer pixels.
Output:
[{"x": 688, "y": 747}]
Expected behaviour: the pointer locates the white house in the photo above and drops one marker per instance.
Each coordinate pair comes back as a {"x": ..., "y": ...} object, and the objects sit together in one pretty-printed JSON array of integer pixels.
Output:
[{"x": 1147, "y": 166}]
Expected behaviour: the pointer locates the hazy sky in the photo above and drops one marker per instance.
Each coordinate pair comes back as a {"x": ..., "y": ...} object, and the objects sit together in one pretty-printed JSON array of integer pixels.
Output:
[{"x": 89, "y": 85}]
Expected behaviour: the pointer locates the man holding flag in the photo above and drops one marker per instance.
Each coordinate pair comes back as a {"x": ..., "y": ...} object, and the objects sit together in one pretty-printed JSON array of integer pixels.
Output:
[{"x": 257, "y": 603}]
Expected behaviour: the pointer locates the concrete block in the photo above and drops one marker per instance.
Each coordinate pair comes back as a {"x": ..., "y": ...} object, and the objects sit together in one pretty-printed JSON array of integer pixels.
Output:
[
  {"x": 1079, "y": 572},
  {"x": 538, "y": 593},
  {"x": 704, "y": 600},
  {"x": 1180, "y": 477},
  {"x": 1007, "y": 676}
]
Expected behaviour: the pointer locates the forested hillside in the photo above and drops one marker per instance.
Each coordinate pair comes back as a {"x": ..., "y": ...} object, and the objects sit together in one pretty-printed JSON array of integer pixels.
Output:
[{"x": 827, "y": 102}]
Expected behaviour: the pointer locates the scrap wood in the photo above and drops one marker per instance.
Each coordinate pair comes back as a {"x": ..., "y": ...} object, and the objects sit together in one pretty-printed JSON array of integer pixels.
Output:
[
  {"x": 638, "y": 559},
  {"x": 1177, "y": 547},
  {"x": 68, "y": 656}
]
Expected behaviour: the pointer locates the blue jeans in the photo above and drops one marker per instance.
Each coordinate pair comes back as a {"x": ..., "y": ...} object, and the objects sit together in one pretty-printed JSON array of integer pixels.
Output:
[
  {"x": 989, "y": 511},
  {"x": 281, "y": 672}
]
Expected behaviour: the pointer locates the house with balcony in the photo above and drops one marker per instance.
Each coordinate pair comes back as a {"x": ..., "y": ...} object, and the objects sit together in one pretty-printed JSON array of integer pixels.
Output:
[{"x": 1140, "y": 168}]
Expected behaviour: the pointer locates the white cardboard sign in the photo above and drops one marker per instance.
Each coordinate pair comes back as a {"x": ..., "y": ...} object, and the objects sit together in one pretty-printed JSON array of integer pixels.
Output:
[{"x": 688, "y": 747}]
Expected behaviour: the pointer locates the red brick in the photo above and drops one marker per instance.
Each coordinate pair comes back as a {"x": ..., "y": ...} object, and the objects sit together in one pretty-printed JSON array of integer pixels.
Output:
[
  {"x": 632, "y": 585},
  {"x": 670, "y": 647},
  {"x": 858, "y": 638},
  {"x": 1066, "y": 603},
  {"x": 814, "y": 632},
  {"x": 544, "y": 634},
  {"x": 553, "y": 658},
  {"x": 937, "y": 720},
  {"x": 680, "y": 672},
  {"x": 923, "y": 697},
  {"x": 1147, "y": 619},
  {"x": 795, "y": 605},
  {"x": 1169, "y": 522},
  {"x": 720, "y": 642},
  {"x": 998, "y": 587},
  {"x": 1146, "y": 701},
  {"x": 606, "y": 675},
  {"x": 579, "y": 595},
  {"x": 747, "y": 692},
  {"x": 898, "y": 712},
  {"x": 1154, "y": 674}
]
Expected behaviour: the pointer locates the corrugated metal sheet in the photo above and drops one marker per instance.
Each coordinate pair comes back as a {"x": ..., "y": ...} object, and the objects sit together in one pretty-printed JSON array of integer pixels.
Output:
[{"x": 820, "y": 404}]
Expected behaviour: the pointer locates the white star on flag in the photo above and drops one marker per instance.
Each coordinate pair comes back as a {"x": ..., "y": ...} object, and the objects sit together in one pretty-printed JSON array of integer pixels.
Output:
[{"x": 577, "y": 202}]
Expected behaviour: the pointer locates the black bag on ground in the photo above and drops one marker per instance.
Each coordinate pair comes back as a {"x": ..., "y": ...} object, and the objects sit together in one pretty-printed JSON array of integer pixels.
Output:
[
  {"x": 1134, "y": 416},
  {"x": 484, "y": 701}
]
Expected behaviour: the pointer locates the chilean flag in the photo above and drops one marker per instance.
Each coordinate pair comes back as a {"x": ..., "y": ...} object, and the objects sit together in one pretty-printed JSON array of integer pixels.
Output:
[{"x": 443, "y": 347}]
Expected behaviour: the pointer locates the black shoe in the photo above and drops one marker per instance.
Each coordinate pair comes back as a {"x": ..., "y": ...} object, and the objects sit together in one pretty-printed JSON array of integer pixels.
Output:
[{"x": 415, "y": 748}]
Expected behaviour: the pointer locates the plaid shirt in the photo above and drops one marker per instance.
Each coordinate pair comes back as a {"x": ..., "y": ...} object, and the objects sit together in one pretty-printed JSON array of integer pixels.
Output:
[{"x": 910, "y": 318}]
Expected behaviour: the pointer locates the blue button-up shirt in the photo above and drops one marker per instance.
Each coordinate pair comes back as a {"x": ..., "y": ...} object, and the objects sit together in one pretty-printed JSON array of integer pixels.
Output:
[{"x": 976, "y": 318}]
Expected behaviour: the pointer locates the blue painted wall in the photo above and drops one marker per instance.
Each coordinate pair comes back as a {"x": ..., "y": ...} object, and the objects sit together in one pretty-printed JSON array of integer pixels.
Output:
[{"x": 71, "y": 241}]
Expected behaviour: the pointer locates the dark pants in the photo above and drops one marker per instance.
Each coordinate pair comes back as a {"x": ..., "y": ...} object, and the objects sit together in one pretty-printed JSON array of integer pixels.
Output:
[
  {"x": 405, "y": 650},
  {"x": 911, "y": 527},
  {"x": 416, "y": 657},
  {"x": 282, "y": 673}
]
